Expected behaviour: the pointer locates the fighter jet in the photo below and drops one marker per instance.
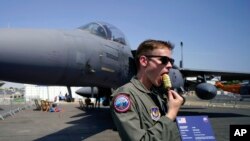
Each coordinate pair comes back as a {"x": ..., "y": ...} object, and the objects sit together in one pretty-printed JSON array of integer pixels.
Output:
[
  {"x": 205, "y": 90},
  {"x": 239, "y": 88},
  {"x": 94, "y": 55}
]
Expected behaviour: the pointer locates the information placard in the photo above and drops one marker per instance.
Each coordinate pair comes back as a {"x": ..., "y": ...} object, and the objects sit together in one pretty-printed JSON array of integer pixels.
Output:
[{"x": 193, "y": 128}]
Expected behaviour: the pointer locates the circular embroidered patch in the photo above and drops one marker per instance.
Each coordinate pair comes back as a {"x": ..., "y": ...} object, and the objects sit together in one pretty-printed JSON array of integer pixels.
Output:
[{"x": 122, "y": 103}]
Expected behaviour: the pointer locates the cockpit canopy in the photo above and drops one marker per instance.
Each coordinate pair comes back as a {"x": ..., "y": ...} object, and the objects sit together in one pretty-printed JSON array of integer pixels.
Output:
[{"x": 106, "y": 31}]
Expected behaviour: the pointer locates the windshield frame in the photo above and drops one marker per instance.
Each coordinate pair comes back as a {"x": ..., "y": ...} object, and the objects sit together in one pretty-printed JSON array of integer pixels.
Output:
[{"x": 106, "y": 31}]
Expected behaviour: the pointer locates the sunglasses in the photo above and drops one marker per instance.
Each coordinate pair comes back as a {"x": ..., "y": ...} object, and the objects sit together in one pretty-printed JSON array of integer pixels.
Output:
[{"x": 164, "y": 59}]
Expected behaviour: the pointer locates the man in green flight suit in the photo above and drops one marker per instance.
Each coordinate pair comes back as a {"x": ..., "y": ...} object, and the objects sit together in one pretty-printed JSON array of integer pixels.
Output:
[{"x": 140, "y": 113}]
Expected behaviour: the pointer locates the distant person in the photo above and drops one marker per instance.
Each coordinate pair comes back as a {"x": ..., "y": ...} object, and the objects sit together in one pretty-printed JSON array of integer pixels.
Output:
[
  {"x": 139, "y": 112},
  {"x": 88, "y": 102},
  {"x": 56, "y": 101},
  {"x": 61, "y": 97},
  {"x": 54, "y": 108},
  {"x": 97, "y": 102},
  {"x": 67, "y": 98}
]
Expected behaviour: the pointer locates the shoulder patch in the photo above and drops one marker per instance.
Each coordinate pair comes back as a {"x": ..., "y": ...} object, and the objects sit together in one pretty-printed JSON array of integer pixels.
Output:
[{"x": 122, "y": 103}]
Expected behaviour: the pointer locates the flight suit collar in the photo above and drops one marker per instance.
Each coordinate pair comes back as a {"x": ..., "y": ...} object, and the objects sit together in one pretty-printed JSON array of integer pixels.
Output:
[
  {"x": 152, "y": 94},
  {"x": 139, "y": 85}
]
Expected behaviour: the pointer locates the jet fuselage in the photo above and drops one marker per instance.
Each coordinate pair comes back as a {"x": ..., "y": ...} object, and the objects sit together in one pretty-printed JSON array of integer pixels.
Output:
[{"x": 62, "y": 57}]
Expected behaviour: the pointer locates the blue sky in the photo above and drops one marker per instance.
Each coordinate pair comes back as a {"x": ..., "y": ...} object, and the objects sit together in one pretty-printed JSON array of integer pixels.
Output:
[{"x": 215, "y": 33}]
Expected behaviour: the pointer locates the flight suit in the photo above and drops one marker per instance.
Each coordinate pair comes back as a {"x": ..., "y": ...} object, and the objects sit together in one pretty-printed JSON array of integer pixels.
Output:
[{"x": 137, "y": 117}]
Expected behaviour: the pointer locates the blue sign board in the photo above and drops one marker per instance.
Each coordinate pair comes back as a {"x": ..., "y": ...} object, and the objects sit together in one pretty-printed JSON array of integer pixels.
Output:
[{"x": 195, "y": 128}]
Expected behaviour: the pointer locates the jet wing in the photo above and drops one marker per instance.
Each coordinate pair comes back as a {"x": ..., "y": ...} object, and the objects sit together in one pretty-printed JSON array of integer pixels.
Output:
[{"x": 225, "y": 75}]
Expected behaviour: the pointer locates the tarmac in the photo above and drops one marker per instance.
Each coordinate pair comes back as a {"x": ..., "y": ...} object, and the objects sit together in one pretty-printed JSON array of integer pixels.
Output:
[
  {"x": 72, "y": 124},
  {"x": 95, "y": 124}
]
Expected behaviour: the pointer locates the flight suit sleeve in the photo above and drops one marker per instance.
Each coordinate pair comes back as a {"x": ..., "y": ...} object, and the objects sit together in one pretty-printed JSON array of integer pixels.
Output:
[{"x": 130, "y": 127}]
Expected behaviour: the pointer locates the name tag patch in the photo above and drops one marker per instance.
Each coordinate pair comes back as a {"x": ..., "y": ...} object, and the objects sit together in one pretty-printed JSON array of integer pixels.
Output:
[{"x": 122, "y": 103}]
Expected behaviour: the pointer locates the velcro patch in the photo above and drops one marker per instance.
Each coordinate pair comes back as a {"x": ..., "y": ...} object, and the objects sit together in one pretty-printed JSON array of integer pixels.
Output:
[
  {"x": 155, "y": 113},
  {"x": 122, "y": 103}
]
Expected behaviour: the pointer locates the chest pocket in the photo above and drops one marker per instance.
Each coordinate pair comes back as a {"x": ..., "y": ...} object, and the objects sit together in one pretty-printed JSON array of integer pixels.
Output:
[{"x": 143, "y": 107}]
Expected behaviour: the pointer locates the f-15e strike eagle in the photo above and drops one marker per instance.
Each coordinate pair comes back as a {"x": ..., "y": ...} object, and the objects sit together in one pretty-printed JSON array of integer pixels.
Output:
[{"x": 94, "y": 55}]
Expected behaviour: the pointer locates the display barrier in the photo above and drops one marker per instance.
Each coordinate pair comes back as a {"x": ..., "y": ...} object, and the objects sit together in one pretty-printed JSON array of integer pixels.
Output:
[{"x": 10, "y": 105}]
